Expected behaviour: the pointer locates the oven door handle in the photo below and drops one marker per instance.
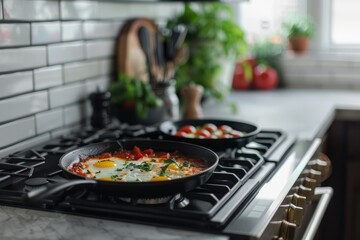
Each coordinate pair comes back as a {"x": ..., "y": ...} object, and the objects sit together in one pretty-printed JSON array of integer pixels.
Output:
[{"x": 322, "y": 196}]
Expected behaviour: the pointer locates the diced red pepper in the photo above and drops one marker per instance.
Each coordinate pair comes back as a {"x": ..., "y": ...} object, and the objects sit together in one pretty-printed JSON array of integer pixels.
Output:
[
  {"x": 137, "y": 150},
  {"x": 148, "y": 152}
]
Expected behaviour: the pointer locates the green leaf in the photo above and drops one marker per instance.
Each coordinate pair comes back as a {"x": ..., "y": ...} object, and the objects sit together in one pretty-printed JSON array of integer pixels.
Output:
[
  {"x": 212, "y": 35},
  {"x": 129, "y": 89}
]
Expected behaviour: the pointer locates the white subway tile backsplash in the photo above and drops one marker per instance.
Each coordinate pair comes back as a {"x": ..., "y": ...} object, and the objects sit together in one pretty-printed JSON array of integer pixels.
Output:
[
  {"x": 167, "y": 10},
  {"x": 14, "y": 34},
  {"x": 15, "y": 83},
  {"x": 22, "y": 58},
  {"x": 45, "y": 32},
  {"x": 16, "y": 131},
  {"x": 78, "y": 9},
  {"x": 65, "y": 52},
  {"x": 1, "y": 11},
  {"x": 80, "y": 71},
  {"x": 48, "y": 77},
  {"x": 117, "y": 26},
  {"x": 76, "y": 59},
  {"x": 112, "y": 10},
  {"x": 355, "y": 64},
  {"x": 106, "y": 66},
  {"x": 350, "y": 78},
  {"x": 23, "y": 105},
  {"x": 64, "y": 130},
  {"x": 108, "y": 10},
  {"x": 25, "y": 144},
  {"x": 71, "y": 30},
  {"x": 67, "y": 94},
  {"x": 97, "y": 49},
  {"x": 335, "y": 64},
  {"x": 98, "y": 29},
  {"x": 31, "y": 10},
  {"x": 74, "y": 114},
  {"x": 100, "y": 83},
  {"x": 50, "y": 120}
]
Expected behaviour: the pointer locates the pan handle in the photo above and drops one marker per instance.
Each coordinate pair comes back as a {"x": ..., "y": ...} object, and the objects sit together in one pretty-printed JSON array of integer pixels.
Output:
[{"x": 43, "y": 192}]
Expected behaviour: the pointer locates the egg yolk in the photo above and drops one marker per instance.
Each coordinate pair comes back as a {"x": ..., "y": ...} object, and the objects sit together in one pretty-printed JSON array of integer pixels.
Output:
[
  {"x": 173, "y": 166},
  {"x": 105, "y": 164},
  {"x": 106, "y": 179},
  {"x": 159, "y": 178}
]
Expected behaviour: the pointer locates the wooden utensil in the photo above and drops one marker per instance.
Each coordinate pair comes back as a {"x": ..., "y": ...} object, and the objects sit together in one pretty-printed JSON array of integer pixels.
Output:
[{"x": 131, "y": 59}]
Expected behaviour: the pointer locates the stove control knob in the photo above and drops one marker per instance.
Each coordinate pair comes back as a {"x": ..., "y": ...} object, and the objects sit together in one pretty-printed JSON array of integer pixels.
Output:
[
  {"x": 297, "y": 200},
  {"x": 309, "y": 183},
  {"x": 276, "y": 228},
  {"x": 313, "y": 174},
  {"x": 287, "y": 230},
  {"x": 304, "y": 191},
  {"x": 293, "y": 213},
  {"x": 323, "y": 165}
]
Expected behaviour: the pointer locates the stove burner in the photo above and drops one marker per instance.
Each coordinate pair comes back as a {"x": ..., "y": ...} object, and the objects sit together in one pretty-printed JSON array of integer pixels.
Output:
[
  {"x": 179, "y": 201},
  {"x": 147, "y": 201},
  {"x": 35, "y": 182}
]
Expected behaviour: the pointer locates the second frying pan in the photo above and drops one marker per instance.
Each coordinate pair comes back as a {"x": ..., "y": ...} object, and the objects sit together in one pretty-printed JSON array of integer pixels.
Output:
[{"x": 169, "y": 129}]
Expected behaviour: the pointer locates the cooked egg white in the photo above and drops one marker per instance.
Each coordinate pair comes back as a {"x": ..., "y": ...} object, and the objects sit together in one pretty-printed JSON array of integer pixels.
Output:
[{"x": 143, "y": 170}]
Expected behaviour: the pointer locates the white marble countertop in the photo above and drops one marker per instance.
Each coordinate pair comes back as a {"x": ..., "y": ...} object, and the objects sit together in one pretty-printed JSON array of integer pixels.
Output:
[
  {"x": 305, "y": 113},
  {"x": 17, "y": 223}
]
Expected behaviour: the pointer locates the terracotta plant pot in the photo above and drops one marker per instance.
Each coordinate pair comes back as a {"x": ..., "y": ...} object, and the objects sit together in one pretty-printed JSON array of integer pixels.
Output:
[{"x": 299, "y": 44}]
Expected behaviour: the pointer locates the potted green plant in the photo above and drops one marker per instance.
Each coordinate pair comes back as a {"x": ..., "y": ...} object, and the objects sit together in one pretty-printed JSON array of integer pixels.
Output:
[
  {"x": 212, "y": 37},
  {"x": 133, "y": 101},
  {"x": 299, "y": 30}
]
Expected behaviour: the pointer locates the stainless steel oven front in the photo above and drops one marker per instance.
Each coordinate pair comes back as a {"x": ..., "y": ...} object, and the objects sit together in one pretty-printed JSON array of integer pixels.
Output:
[{"x": 291, "y": 204}]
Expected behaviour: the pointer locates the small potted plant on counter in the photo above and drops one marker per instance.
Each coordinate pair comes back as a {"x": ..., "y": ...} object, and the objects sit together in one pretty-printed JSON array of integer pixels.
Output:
[
  {"x": 212, "y": 39},
  {"x": 299, "y": 30},
  {"x": 133, "y": 101}
]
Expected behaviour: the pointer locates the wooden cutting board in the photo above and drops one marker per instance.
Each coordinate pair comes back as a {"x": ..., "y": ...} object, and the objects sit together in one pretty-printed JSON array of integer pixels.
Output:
[{"x": 131, "y": 59}]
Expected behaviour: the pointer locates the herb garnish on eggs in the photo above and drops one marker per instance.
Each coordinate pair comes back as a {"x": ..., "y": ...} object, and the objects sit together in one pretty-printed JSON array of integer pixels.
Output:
[{"x": 138, "y": 166}]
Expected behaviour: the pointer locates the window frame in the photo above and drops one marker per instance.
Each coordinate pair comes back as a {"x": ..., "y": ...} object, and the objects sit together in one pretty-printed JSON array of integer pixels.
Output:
[{"x": 321, "y": 11}]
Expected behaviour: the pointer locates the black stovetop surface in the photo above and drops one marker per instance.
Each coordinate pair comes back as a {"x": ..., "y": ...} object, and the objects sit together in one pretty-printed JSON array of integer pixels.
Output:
[{"x": 238, "y": 176}]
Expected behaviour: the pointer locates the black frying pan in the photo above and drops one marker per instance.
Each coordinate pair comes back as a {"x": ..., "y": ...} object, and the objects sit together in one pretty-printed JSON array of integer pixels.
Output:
[
  {"x": 169, "y": 129},
  {"x": 131, "y": 189}
]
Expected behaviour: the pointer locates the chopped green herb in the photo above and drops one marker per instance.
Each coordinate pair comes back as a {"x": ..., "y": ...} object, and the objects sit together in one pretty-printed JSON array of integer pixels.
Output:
[
  {"x": 119, "y": 169},
  {"x": 97, "y": 172},
  {"x": 185, "y": 164},
  {"x": 116, "y": 177},
  {"x": 162, "y": 172},
  {"x": 88, "y": 171},
  {"x": 144, "y": 166},
  {"x": 130, "y": 165},
  {"x": 170, "y": 161},
  {"x": 153, "y": 160}
]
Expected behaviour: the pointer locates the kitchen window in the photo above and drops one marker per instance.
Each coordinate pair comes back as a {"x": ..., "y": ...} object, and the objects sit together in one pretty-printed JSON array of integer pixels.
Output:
[
  {"x": 337, "y": 21},
  {"x": 262, "y": 19},
  {"x": 345, "y": 22}
]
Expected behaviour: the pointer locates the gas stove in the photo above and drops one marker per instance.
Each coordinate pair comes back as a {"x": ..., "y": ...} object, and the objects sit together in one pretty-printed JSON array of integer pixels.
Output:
[{"x": 216, "y": 206}]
